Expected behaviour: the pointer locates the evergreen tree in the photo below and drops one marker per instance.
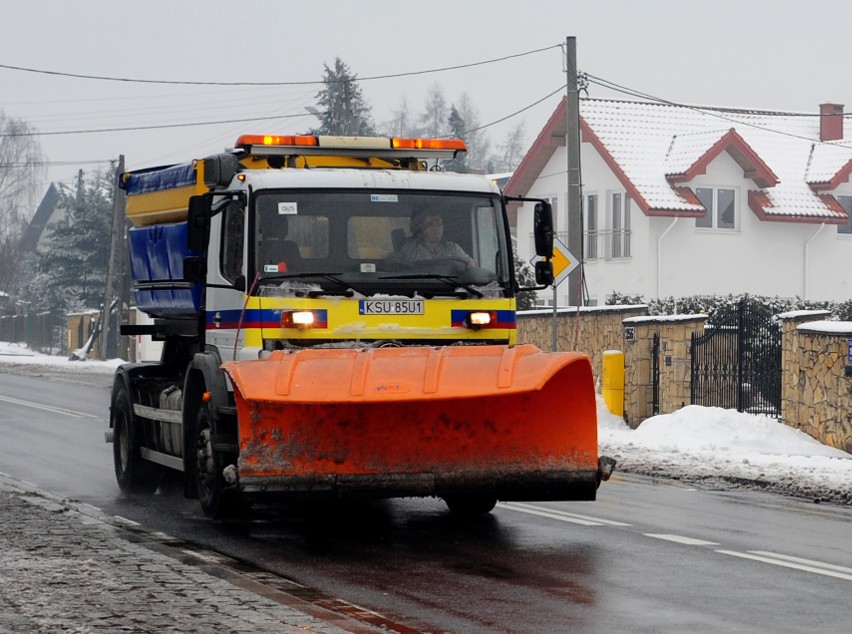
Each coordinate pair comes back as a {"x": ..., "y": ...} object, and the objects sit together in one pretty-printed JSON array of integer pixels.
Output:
[
  {"x": 74, "y": 266},
  {"x": 525, "y": 300},
  {"x": 456, "y": 126},
  {"x": 341, "y": 105}
]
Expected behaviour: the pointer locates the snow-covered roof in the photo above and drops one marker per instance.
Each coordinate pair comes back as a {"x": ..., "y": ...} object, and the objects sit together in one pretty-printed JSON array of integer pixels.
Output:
[{"x": 655, "y": 149}]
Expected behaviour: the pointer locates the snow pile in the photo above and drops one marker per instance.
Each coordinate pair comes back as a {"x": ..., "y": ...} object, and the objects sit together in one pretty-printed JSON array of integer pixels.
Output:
[
  {"x": 724, "y": 448},
  {"x": 21, "y": 357},
  {"x": 706, "y": 446}
]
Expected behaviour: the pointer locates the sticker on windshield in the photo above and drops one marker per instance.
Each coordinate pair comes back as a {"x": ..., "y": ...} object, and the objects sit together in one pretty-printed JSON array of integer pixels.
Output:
[
  {"x": 287, "y": 208},
  {"x": 384, "y": 198}
]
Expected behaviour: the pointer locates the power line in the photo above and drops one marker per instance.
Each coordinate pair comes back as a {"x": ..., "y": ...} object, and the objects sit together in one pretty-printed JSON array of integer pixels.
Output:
[
  {"x": 55, "y": 163},
  {"x": 269, "y": 83},
  {"x": 150, "y": 127},
  {"x": 243, "y": 120},
  {"x": 509, "y": 116}
]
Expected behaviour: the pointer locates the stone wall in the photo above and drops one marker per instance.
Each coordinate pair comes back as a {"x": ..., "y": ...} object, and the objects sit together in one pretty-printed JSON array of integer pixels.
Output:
[
  {"x": 593, "y": 330},
  {"x": 816, "y": 390}
]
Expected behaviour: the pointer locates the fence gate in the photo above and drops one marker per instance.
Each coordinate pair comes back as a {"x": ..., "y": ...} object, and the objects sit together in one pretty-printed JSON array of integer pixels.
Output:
[{"x": 736, "y": 363}]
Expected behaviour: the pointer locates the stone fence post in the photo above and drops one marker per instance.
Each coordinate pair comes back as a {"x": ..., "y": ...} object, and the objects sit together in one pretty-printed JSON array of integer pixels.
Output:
[
  {"x": 816, "y": 391},
  {"x": 673, "y": 363}
]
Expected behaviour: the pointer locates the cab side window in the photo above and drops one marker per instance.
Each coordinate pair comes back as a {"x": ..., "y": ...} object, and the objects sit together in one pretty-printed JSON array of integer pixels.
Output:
[{"x": 231, "y": 257}]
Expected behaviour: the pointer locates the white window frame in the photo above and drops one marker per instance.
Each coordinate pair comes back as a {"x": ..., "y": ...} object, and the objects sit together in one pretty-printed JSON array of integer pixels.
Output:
[
  {"x": 617, "y": 234},
  {"x": 716, "y": 192},
  {"x": 591, "y": 220}
]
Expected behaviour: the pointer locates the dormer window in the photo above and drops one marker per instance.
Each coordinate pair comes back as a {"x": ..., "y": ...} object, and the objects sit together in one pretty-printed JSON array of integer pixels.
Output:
[
  {"x": 721, "y": 206},
  {"x": 846, "y": 203}
]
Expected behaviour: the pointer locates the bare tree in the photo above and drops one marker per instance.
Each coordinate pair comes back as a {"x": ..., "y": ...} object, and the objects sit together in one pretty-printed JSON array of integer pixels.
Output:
[
  {"x": 21, "y": 173},
  {"x": 476, "y": 139},
  {"x": 433, "y": 120},
  {"x": 400, "y": 124},
  {"x": 510, "y": 152}
]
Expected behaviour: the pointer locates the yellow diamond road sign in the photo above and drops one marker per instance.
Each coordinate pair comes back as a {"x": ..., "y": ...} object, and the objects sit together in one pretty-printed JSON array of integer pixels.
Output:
[{"x": 563, "y": 262}]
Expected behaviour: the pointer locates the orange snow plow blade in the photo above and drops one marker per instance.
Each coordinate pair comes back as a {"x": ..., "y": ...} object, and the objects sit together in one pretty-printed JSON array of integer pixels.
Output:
[{"x": 512, "y": 422}]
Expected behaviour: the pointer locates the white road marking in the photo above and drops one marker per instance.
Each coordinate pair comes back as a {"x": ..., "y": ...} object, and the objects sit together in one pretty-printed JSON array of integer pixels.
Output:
[
  {"x": 48, "y": 408},
  {"x": 787, "y": 561},
  {"x": 800, "y": 560},
  {"x": 554, "y": 514},
  {"x": 680, "y": 539}
]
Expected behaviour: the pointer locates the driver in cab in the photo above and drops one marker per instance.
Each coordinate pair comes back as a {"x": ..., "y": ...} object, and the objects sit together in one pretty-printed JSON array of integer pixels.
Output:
[{"x": 428, "y": 242}]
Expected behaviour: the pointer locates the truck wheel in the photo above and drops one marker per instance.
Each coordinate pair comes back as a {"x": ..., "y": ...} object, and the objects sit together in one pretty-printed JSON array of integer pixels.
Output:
[
  {"x": 470, "y": 505},
  {"x": 216, "y": 501},
  {"x": 133, "y": 473}
]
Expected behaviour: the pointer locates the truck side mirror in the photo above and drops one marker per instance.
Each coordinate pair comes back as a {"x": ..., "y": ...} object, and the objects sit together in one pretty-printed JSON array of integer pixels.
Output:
[
  {"x": 220, "y": 169},
  {"x": 198, "y": 224},
  {"x": 543, "y": 230},
  {"x": 544, "y": 273}
]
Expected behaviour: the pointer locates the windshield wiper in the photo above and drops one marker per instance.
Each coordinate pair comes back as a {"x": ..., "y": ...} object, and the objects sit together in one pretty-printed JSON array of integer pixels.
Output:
[{"x": 447, "y": 279}]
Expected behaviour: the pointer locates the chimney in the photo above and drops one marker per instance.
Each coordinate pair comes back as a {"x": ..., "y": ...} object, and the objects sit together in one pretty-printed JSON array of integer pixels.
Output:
[{"x": 830, "y": 122}]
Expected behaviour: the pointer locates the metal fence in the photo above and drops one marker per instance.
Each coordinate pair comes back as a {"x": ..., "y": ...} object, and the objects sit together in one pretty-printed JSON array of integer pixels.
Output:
[{"x": 43, "y": 332}]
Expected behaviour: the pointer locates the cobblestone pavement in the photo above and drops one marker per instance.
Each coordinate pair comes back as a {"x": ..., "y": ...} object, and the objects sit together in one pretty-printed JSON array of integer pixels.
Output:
[{"x": 66, "y": 568}]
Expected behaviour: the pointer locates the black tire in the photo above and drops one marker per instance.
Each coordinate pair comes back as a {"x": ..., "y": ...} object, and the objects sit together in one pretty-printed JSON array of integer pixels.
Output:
[
  {"x": 470, "y": 505},
  {"x": 133, "y": 473},
  {"x": 217, "y": 501}
]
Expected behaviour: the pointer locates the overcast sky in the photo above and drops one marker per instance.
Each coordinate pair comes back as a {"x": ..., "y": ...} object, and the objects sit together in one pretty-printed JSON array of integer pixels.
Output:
[{"x": 770, "y": 54}]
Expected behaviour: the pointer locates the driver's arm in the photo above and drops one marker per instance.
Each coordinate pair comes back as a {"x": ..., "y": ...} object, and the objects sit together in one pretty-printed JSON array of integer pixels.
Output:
[{"x": 459, "y": 253}]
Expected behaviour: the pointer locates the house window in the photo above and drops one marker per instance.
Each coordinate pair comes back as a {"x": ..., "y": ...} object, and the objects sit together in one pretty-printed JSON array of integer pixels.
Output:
[
  {"x": 720, "y": 208},
  {"x": 846, "y": 203},
  {"x": 590, "y": 207},
  {"x": 618, "y": 243}
]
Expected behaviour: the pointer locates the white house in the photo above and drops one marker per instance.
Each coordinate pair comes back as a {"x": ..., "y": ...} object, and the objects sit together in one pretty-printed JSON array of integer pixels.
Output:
[{"x": 681, "y": 201}]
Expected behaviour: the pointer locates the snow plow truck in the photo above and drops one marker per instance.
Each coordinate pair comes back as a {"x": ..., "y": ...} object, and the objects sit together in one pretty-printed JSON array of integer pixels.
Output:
[{"x": 311, "y": 351}]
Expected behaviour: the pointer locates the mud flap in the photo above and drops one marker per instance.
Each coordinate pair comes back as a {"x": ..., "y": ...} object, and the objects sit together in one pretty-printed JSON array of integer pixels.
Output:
[{"x": 505, "y": 420}]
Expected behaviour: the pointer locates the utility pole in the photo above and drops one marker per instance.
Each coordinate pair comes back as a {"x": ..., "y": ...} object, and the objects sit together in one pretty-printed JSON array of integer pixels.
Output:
[
  {"x": 115, "y": 255},
  {"x": 572, "y": 146}
]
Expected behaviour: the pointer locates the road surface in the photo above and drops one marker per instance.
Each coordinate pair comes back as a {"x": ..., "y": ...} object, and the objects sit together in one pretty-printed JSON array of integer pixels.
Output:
[{"x": 647, "y": 556}]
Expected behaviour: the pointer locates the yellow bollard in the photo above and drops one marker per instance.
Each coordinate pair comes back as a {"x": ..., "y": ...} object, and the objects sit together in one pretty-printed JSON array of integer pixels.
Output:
[{"x": 612, "y": 381}]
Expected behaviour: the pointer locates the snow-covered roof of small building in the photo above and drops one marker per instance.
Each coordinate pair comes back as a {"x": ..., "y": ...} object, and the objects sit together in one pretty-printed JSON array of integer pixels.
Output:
[{"x": 655, "y": 149}]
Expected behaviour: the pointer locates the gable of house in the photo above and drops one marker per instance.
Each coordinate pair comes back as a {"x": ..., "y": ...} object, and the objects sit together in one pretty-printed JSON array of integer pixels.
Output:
[
  {"x": 656, "y": 149},
  {"x": 789, "y": 174}
]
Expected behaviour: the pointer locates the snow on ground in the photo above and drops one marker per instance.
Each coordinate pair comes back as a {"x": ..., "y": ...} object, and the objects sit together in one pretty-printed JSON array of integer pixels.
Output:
[
  {"x": 725, "y": 449},
  {"x": 19, "y": 356},
  {"x": 709, "y": 447}
]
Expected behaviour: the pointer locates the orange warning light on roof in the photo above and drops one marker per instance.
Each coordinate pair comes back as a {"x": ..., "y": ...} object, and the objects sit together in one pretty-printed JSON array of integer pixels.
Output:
[
  {"x": 269, "y": 139},
  {"x": 428, "y": 144}
]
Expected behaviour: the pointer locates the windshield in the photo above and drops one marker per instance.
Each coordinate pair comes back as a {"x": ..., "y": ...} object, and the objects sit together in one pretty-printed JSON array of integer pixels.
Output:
[{"x": 374, "y": 241}]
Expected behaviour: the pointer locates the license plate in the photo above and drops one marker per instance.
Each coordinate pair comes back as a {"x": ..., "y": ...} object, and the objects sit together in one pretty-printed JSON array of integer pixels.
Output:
[{"x": 391, "y": 307}]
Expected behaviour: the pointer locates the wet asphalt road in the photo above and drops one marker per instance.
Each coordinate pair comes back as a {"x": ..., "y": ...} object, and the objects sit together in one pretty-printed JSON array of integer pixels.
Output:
[{"x": 648, "y": 556}]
